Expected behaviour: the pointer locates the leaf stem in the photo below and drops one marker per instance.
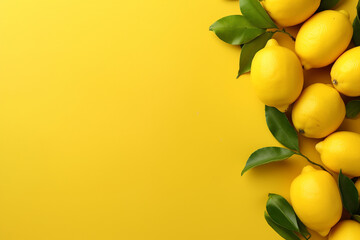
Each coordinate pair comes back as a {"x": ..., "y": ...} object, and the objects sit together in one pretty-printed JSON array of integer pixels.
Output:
[
  {"x": 287, "y": 33},
  {"x": 314, "y": 163}
]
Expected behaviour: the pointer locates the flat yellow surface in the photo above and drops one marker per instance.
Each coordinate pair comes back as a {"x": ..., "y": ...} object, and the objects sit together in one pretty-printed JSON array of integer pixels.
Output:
[{"x": 123, "y": 120}]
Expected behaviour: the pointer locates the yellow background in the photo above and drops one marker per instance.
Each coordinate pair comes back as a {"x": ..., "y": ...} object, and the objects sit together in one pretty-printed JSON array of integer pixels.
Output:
[{"x": 124, "y": 120}]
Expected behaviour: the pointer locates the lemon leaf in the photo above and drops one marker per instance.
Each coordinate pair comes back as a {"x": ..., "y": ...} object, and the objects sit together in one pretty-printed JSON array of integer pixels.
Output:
[
  {"x": 235, "y": 30},
  {"x": 249, "y": 50},
  {"x": 266, "y": 155},
  {"x": 349, "y": 193},
  {"x": 356, "y": 218},
  {"x": 256, "y": 14},
  {"x": 281, "y": 128},
  {"x": 356, "y": 26},
  {"x": 352, "y": 108},
  {"x": 303, "y": 230},
  {"x": 283, "y": 232},
  {"x": 327, "y": 4},
  {"x": 282, "y": 212}
]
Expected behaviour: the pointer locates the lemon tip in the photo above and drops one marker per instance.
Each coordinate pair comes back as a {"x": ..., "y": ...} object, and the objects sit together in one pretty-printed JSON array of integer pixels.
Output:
[
  {"x": 307, "y": 66},
  {"x": 283, "y": 108},
  {"x": 324, "y": 233},
  {"x": 319, "y": 146},
  {"x": 272, "y": 42},
  {"x": 308, "y": 169},
  {"x": 346, "y": 13}
]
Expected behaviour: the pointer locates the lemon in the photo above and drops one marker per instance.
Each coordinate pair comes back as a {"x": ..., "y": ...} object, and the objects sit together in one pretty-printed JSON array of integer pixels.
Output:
[
  {"x": 341, "y": 150},
  {"x": 345, "y": 230},
  {"x": 319, "y": 111},
  {"x": 323, "y": 38},
  {"x": 277, "y": 75},
  {"x": 316, "y": 199},
  {"x": 290, "y": 12},
  {"x": 345, "y": 73}
]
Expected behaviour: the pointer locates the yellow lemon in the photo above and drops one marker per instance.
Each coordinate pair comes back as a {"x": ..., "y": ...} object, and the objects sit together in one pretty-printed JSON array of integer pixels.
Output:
[
  {"x": 316, "y": 199},
  {"x": 345, "y": 73},
  {"x": 341, "y": 150},
  {"x": 345, "y": 230},
  {"x": 319, "y": 111},
  {"x": 290, "y": 12},
  {"x": 323, "y": 38},
  {"x": 277, "y": 75}
]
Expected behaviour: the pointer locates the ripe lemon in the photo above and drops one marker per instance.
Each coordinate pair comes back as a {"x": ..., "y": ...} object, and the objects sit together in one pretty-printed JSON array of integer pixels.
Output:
[
  {"x": 345, "y": 230},
  {"x": 277, "y": 75},
  {"x": 341, "y": 150},
  {"x": 323, "y": 38},
  {"x": 319, "y": 111},
  {"x": 345, "y": 73},
  {"x": 290, "y": 12},
  {"x": 316, "y": 199}
]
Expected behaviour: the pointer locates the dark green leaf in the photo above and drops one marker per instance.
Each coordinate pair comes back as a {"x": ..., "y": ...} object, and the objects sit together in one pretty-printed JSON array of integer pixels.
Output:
[
  {"x": 249, "y": 50},
  {"x": 235, "y": 29},
  {"x": 256, "y": 14},
  {"x": 352, "y": 108},
  {"x": 282, "y": 212},
  {"x": 356, "y": 26},
  {"x": 266, "y": 155},
  {"x": 281, "y": 128},
  {"x": 327, "y": 4},
  {"x": 356, "y": 218},
  {"x": 358, "y": 9},
  {"x": 283, "y": 232},
  {"x": 303, "y": 230},
  {"x": 349, "y": 194}
]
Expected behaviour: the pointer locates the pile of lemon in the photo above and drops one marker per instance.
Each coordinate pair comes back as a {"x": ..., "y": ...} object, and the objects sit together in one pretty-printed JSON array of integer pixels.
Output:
[{"x": 318, "y": 110}]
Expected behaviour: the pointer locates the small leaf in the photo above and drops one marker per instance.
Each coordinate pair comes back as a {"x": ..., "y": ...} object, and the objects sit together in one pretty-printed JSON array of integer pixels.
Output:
[
  {"x": 356, "y": 218},
  {"x": 282, "y": 212},
  {"x": 352, "y": 108},
  {"x": 281, "y": 128},
  {"x": 327, "y": 4},
  {"x": 249, "y": 50},
  {"x": 266, "y": 155},
  {"x": 256, "y": 14},
  {"x": 356, "y": 26},
  {"x": 235, "y": 30},
  {"x": 303, "y": 230},
  {"x": 283, "y": 232},
  {"x": 349, "y": 194}
]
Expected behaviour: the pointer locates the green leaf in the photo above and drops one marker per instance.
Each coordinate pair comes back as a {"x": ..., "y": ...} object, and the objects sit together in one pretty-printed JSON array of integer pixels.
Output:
[
  {"x": 235, "y": 30},
  {"x": 358, "y": 9},
  {"x": 282, "y": 212},
  {"x": 352, "y": 108},
  {"x": 327, "y": 4},
  {"x": 356, "y": 26},
  {"x": 303, "y": 230},
  {"x": 281, "y": 128},
  {"x": 266, "y": 155},
  {"x": 356, "y": 218},
  {"x": 249, "y": 50},
  {"x": 283, "y": 232},
  {"x": 349, "y": 193},
  {"x": 256, "y": 14}
]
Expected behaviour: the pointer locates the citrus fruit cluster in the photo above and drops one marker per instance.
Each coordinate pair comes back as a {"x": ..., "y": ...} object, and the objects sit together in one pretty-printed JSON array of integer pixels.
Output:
[{"x": 277, "y": 75}]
